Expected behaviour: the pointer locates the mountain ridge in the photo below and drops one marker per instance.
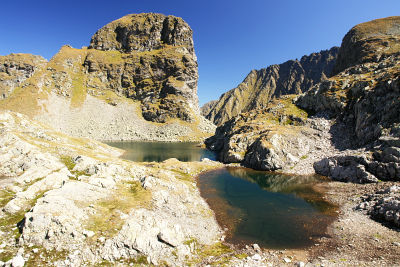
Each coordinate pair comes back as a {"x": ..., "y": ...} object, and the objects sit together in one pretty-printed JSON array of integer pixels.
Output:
[{"x": 260, "y": 86}]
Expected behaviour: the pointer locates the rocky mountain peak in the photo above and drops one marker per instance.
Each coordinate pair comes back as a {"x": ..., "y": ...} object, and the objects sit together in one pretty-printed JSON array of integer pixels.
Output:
[
  {"x": 143, "y": 32},
  {"x": 368, "y": 42}
]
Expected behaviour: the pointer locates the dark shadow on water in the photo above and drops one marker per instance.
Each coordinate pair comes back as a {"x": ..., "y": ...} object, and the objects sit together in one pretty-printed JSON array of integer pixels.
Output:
[
  {"x": 272, "y": 210},
  {"x": 160, "y": 151}
]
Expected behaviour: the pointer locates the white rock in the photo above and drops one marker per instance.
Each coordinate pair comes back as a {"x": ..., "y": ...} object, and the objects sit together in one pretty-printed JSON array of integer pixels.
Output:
[
  {"x": 18, "y": 261},
  {"x": 88, "y": 233},
  {"x": 256, "y": 257},
  {"x": 256, "y": 247},
  {"x": 287, "y": 260}
]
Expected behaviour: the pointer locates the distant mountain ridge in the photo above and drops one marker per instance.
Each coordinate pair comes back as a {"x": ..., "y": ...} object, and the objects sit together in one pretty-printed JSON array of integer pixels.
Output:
[{"x": 260, "y": 86}]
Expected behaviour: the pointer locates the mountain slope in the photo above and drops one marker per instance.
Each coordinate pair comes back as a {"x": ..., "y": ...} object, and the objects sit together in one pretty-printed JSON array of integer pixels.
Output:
[
  {"x": 136, "y": 81},
  {"x": 260, "y": 86}
]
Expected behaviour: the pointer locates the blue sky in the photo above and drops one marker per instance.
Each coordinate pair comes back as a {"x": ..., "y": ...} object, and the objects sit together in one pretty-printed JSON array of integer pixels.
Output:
[{"x": 231, "y": 37}]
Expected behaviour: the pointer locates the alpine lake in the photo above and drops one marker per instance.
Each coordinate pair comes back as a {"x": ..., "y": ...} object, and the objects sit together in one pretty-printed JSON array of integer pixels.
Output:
[{"x": 273, "y": 210}]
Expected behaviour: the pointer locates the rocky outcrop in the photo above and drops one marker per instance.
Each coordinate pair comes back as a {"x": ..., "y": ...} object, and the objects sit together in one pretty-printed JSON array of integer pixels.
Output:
[
  {"x": 143, "y": 32},
  {"x": 157, "y": 64},
  {"x": 383, "y": 206},
  {"x": 366, "y": 98},
  {"x": 15, "y": 69},
  {"x": 368, "y": 42},
  {"x": 260, "y": 86},
  {"x": 279, "y": 138},
  {"x": 69, "y": 202},
  {"x": 141, "y": 68}
]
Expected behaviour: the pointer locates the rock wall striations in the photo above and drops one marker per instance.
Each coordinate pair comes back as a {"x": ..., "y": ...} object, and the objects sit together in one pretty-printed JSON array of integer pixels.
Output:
[{"x": 260, "y": 86}]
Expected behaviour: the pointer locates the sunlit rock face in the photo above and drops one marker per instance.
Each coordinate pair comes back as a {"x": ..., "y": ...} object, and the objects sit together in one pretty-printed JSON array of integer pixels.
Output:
[
  {"x": 137, "y": 80},
  {"x": 261, "y": 86}
]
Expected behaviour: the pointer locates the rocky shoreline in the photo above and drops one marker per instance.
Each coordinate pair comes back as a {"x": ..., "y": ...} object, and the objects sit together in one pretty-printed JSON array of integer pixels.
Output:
[
  {"x": 70, "y": 201},
  {"x": 47, "y": 220}
]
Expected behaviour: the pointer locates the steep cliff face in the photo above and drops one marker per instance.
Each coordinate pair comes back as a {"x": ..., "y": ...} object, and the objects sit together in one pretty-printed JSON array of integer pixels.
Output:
[
  {"x": 367, "y": 94},
  {"x": 260, "y": 86},
  {"x": 137, "y": 80},
  {"x": 368, "y": 42},
  {"x": 15, "y": 69}
]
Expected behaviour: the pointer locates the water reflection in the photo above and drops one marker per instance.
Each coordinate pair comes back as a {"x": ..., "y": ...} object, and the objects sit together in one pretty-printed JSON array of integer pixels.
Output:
[
  {"x": 160, "y": 151},
  {"x": 275, "y": 211}
]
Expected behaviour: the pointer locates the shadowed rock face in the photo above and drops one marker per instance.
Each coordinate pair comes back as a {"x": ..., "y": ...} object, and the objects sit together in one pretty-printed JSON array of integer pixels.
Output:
[
  {"x": 15, "y": 69},
  {"x": 368, "y": 42},
  {"x": 260, "y": 86}
]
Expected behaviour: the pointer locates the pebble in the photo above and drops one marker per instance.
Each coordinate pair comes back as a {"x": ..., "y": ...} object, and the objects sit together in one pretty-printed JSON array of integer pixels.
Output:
[
  {"x": 300, "y": 264},
  {"x": 18, "y": 261},
  {"x": 287, "y": 260},
  {"x": 256, "y": 247},
  {"x": 256, "y": 257}
]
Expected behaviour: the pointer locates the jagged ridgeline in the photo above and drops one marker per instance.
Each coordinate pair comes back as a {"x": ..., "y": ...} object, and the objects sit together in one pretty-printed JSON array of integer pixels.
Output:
[
  {"x": 140, "y": 68},
  {"x": 260, "y": 86}
]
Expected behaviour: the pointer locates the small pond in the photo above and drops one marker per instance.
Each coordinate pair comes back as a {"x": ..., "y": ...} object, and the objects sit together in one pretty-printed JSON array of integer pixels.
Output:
[
  {"x": 160, "y": 151},
  {"x": 272, "y": 210}
]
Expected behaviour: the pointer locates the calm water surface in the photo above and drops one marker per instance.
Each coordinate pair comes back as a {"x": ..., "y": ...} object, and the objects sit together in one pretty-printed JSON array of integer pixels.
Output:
[
  {"x": 160, "y": 151},
  {"x": 272, "y": 210}
]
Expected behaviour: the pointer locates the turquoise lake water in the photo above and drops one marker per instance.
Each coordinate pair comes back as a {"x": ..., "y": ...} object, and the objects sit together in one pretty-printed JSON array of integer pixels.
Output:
[{"x": 272, "y": 210}]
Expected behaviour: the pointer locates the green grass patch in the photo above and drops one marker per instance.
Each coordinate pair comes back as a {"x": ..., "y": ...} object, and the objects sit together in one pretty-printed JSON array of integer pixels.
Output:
[
  {"x": 45, "y": 257},
  {"x": 107, "y": 220},
  {"x": 241, "y": 256}
]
